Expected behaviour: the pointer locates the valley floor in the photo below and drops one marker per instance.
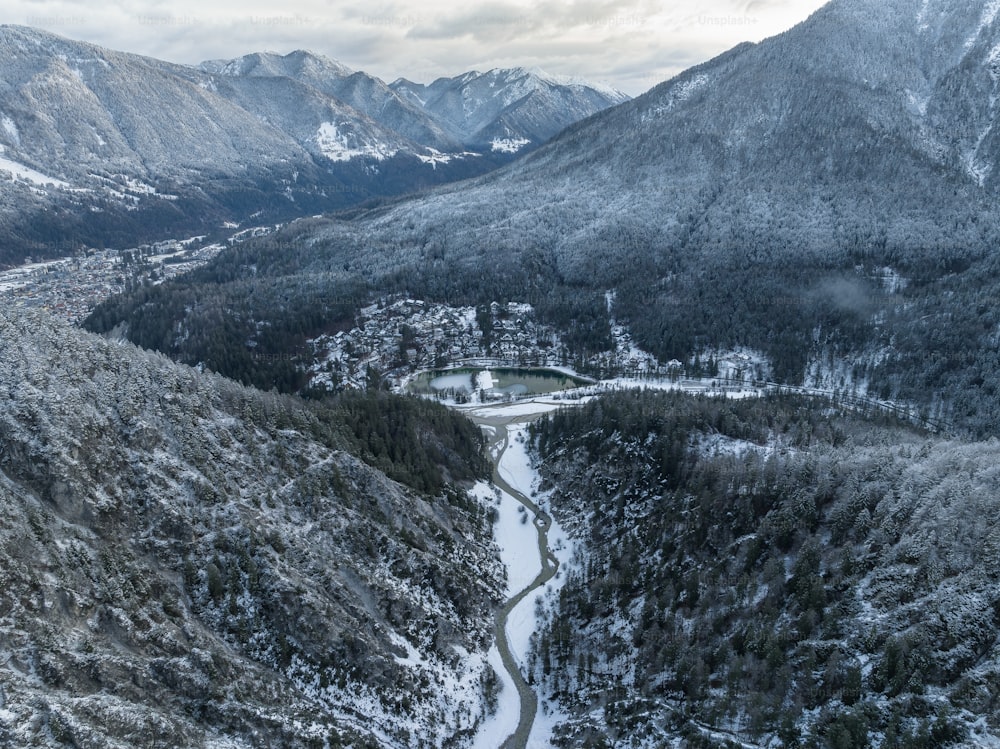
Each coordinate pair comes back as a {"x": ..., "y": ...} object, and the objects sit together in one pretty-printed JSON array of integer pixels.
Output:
[{"x": 533, "y": 548}]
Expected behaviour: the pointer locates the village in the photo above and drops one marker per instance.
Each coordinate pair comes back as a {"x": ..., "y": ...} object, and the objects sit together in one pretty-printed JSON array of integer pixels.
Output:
[
  {"x": 69, "y": 288},
  {"x": 394, "y": 339}
]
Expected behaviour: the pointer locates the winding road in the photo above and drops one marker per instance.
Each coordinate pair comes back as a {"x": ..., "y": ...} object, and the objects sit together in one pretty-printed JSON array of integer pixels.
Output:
[{"x": 550, "y": 565}]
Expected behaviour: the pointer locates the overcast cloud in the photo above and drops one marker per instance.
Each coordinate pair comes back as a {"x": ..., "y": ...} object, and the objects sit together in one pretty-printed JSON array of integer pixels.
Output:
[{"x": 629, "y": 44}]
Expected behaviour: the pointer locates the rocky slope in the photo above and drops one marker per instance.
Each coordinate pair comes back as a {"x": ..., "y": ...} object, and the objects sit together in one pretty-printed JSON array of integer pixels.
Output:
[
  {"x": 186, "y": 562},
  {"x": 507, "y": 110},
  {"x": 361, "y": 92}
]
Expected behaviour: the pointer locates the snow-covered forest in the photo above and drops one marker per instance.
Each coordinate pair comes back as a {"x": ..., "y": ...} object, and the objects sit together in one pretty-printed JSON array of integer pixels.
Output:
[
  {"x": 187, "y": 562},
  {"x": 218, "y": 528},
  {"x": 769, "y": 571}
]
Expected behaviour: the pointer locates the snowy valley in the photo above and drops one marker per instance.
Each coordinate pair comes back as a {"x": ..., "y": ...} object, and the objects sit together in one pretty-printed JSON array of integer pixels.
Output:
[{"x": 503, "y": 411}]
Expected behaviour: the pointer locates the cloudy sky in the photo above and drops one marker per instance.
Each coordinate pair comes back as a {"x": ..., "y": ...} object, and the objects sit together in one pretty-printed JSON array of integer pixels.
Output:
[{"x": 629, "y": 44}]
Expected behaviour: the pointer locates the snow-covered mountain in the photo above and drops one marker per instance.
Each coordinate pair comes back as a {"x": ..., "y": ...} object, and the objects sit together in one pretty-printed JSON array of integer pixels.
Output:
[
  {"x": 507, "y": 110},
  {"x": 74, "y": 110},
  {"x": 77, "y": 109},
  {"x": 865, "y": 115},
  {"x": 361, "y": 92},
  {"x": 186, "y": 562},
  {"x": 103, "y": 147},
  {"x": 755, "y": 200}
]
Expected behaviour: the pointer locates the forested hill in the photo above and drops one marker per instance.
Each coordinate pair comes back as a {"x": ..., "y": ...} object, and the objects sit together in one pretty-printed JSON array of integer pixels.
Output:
[
  {"x": 768, "y": 571},
  {"x": 187, "y": 562},
  {"x": 827, "y": 197}
]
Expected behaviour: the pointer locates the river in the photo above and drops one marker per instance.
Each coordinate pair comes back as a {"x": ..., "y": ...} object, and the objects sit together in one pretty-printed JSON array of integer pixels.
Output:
[{"x": 499, "y": 443}]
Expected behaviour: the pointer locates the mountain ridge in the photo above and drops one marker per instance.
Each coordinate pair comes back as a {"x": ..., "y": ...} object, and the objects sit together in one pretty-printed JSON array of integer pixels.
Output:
[
  {"x": 99, "y": 147},
  {"x": 507, "y": 108}
]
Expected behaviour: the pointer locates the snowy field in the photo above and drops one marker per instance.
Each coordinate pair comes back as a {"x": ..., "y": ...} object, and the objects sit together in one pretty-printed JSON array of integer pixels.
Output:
[
  {"x": 515, "y": 466},
  {"x": 516, "y": 536},
  {"x": 521, "y": 408},
  {"x": 503, "y": 722}
]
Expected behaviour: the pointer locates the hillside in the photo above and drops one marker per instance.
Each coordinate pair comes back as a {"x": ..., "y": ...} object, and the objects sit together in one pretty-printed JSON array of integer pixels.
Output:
[
  {"x": 768, "y": 572},
  {"x": 186, "y": 562}
]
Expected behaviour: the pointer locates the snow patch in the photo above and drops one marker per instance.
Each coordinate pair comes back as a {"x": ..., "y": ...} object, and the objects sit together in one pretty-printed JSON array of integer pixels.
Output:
[
  {"x": 922, "y": 24},
  {"x": 517, "y": 539},
  {"x": 521, "y": 408},
  {"x": 993, "y": 66},
  {"x": 981, "y": 735},
  {"x": 985, "y": 21},
  {"x": 521, "y": 625},
  {"x": 485, "y": 381},
  {"x": 681, "y": 92},
  {"x": 508, "y": 145},
  {"x": 504, "y": 721},
  {"x": 342, "y": 146},
  {"x": 917, "y": 103},
  {"x": 11, "y": 129},
  {"x": 515, "y": 467},
  {"x": 22, "y": 172},
  {"x": 974, "y": 167},
  {"x": 435, "y": 157}
]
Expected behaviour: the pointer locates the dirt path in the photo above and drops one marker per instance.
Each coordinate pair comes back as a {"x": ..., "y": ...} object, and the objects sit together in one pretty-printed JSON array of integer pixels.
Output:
[{"x": 529, "y": 700}]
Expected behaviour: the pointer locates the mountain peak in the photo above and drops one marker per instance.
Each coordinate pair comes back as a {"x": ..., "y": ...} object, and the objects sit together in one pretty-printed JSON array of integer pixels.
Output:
[
  {"x": 268, "y": 64},
  {"x": 553, "y": 79},
  {"x": 508, "y": 109}
]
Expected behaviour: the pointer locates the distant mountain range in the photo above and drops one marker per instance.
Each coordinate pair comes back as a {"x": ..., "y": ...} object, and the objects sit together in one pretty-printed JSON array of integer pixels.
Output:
[
  {"x": 102, "y": 146},
  {"x": 760, "y": 199},
  {"x": 507, "y": 110}
]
